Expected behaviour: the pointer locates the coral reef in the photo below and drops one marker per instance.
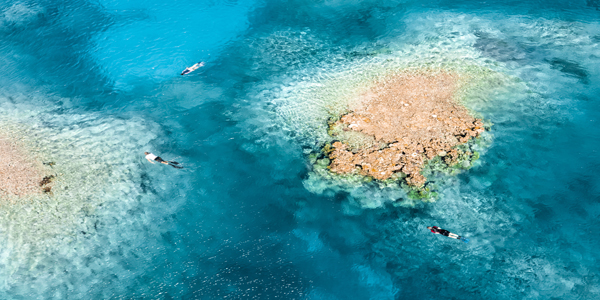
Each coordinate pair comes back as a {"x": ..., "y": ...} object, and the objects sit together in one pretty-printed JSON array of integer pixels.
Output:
[{"x": 404, "y": 120}]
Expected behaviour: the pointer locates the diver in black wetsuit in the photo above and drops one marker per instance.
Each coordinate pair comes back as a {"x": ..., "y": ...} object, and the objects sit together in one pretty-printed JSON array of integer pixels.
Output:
[{"x": 447, "y": 233}]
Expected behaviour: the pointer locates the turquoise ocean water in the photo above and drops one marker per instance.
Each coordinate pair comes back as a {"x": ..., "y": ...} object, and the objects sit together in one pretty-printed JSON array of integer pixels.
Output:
[{"x": 94, "y": 84}]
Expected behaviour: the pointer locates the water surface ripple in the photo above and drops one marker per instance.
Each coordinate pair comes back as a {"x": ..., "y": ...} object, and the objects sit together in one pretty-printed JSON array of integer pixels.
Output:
[{"x": 98, "y": 82}]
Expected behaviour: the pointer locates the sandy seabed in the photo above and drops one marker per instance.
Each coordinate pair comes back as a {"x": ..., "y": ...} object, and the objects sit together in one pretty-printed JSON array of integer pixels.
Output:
[
  {"x": 98, "y": 169},
  {"x": 21, "y": 174}
]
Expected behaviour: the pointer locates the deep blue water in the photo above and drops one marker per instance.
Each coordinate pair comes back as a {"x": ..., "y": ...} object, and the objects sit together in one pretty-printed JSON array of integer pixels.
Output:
[{"x": 239, "y": 222}]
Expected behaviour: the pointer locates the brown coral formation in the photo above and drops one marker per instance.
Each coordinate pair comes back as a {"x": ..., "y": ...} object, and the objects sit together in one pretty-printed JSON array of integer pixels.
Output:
[
  {"x": 20, "y": 175},
  {"x": 411, "y": 117}
]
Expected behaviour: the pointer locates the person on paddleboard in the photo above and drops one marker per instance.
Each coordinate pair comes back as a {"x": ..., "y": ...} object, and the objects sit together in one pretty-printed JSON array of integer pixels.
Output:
[
  {"x": 150, "y": 157},
  {"x": 447, "y": 233},
  {"x": 192, "y": 68}
]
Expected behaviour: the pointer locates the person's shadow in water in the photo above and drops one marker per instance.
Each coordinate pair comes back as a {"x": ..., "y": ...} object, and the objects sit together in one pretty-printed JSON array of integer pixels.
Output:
[{"x": 593, "y": 3}]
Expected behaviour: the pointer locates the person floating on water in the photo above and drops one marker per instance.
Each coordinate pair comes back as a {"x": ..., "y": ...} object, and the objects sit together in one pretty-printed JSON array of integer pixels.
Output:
[
  {"x": 150, "y": 157},
  {"x": 192, "y": 68},
  {"x": 447, "y": 233}
]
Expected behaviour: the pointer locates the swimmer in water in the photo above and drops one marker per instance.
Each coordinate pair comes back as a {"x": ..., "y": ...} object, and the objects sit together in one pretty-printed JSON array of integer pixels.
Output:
[
  {"x": 447, "y": 233},
  {"x": 150, "y": 157},
  {"x": 192, "y": 68}
]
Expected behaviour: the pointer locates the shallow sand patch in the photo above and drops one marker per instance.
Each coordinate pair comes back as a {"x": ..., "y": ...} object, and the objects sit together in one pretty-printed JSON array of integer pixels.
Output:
[{"x": 20, "y": 173}]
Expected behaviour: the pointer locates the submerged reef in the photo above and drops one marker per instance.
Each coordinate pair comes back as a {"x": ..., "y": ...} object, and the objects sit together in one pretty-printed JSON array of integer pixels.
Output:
[
  {"x": 389, "y": 126},
  {"x": 404, "y": 120},
  {"x": 399, "y": 128}
]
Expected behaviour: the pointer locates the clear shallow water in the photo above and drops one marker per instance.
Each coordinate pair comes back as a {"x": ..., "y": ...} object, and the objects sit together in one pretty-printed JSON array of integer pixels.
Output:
[{"x": 239, "y": 220}]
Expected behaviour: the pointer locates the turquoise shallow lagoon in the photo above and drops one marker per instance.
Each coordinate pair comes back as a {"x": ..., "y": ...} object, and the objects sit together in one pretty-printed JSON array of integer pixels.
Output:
[{"x": 91, "y": 85}]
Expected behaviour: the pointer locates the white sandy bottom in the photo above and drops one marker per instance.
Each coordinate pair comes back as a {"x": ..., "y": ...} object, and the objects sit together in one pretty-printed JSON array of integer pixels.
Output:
[{"x": 101, "y": 210}]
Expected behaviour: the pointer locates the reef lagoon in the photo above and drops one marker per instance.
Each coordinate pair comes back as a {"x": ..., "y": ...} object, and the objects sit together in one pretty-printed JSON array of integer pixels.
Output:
[{"x": 86, "y": 87}]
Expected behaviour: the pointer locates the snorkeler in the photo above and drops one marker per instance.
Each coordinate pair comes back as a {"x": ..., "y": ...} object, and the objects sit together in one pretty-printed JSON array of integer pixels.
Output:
[
  {"x": 192, "y": 68},
  {"x": 447, "y": 233},
  {"x": 150, "y": 157}
]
